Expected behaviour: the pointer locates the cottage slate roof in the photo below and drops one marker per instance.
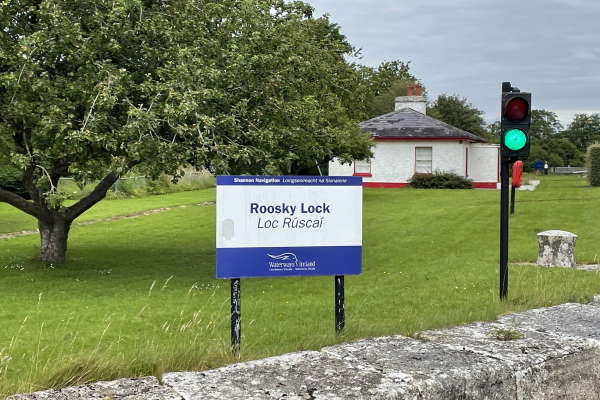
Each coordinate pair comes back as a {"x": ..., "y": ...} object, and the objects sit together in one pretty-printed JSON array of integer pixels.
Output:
[{"x": 407, "y": 123}]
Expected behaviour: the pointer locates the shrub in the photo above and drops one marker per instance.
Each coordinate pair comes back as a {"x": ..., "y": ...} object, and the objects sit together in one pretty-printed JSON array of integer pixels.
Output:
[
  {"x": 593, "y": 165},
  {"x": 160, "y": 185},
  {"x": 138, "y": 186},
  {"x": 440, "y": 180}
]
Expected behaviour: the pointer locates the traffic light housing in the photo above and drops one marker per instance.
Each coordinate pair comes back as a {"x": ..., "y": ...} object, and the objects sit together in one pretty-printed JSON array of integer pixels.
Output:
[{"x": 515, "y": 122}]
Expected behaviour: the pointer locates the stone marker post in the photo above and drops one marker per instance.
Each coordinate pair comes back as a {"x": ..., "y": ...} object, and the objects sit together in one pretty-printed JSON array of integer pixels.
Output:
[{"x": 556, "y": 248}]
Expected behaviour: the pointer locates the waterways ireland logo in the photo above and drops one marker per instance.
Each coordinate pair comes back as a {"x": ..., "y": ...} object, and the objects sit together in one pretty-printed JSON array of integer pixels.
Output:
[
  {"x": 290, "y": 257},
  {"x": 289, "y": 262}
]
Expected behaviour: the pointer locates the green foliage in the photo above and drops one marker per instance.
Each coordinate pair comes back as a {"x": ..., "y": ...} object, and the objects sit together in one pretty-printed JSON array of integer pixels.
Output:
[
  {"x": 383, "y": 85},
  {"x": 593, "y": 165},
  {"x": 494, "y": 132},
  {"x": 440, "y": 180},
  {"x": 90, "y": 89},
  {"x": 584, "y": 130},
  {"x": 507, "y": 334},
  {"x": 232, "y": 86},
  {"x": 459, "y": 113},
  {"x": 544, "y": 124},
  {"x": 11, "y": 179},
  {"x": 138, "y": 186},
  {"x": 557, "y": 151}
]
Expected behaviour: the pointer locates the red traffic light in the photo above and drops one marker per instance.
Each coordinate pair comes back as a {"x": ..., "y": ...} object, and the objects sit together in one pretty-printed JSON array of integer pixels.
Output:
[{"x": 516, "y": 109}]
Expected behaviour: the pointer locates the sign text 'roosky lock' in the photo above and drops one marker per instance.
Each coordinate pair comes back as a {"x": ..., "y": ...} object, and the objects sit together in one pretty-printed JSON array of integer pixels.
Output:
[{"x": 290, "y": 219}]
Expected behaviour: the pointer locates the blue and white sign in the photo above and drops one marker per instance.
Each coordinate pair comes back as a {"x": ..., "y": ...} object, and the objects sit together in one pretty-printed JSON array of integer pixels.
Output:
[{"x": 269, "y": 226}]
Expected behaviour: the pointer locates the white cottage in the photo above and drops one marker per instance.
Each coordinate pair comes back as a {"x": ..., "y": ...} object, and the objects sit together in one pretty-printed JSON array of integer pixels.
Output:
[{"x": 407, "y": 141}]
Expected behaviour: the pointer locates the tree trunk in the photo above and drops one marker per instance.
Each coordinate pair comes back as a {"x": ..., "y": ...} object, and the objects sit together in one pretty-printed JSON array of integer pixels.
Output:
[{"x": 53, "y": 236}]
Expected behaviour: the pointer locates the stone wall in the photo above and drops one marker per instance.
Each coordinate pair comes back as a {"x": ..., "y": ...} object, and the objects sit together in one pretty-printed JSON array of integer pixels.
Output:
[{"x": 547, "y": 353}]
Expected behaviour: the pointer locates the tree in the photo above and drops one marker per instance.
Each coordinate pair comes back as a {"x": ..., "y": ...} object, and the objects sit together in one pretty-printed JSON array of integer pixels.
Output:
[
  {"x": 494, "y": 132},
  {"x": 458, "y": 112},
  {"x": 546, "y": 142},
  {"x": 584, "y": 130},
  {"x": 544, "y": 124},
  {"x": 93, "y": 88},
  {"x": 383, "y": 84},
  {"x": 557, "y": 151}
]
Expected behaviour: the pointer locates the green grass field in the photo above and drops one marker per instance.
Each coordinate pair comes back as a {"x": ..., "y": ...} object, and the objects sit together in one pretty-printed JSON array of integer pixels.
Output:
[
  {"x": 13, "y": 221},
  {"x": 139, "y": 297}
]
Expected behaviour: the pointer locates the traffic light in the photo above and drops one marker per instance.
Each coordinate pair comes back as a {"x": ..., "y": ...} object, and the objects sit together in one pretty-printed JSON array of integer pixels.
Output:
[{"x": 515, "y": 122}]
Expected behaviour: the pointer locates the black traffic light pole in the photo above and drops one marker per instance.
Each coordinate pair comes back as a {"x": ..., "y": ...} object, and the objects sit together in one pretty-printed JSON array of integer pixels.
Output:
[
  {"x": 505, "y": 165},
  {"x": 513, "y": 196},
  {"x": 515, "y": 121}
]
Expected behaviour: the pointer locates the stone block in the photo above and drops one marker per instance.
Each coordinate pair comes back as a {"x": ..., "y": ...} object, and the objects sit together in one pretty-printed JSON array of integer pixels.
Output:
[
  {"x": 547, "y": 353},
  {"x": 146, "y": 388},
  {"x": 556, "y": 248}
]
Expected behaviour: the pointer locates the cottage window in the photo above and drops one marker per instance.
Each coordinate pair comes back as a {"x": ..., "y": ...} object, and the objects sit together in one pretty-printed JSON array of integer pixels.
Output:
[
  {"x": 423, "y": 163},
  {"x": 362, "y": 167}
]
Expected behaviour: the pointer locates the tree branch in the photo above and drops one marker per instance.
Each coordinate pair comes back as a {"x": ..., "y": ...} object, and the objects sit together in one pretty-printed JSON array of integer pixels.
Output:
[
  {"x": 28, "y": 182},
  {"x": 19, "y": 202},
  {"x": 96, "y": 195}
]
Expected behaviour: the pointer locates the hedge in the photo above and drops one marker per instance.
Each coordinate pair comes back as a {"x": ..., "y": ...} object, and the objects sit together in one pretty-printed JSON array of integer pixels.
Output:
[
  {"x": 593, "y": 164},
  {"x": 440, "y": 180}
]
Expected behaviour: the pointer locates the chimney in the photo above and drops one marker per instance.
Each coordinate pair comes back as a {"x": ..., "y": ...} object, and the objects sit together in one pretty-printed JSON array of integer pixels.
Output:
[{"x": 414, "y": 99}]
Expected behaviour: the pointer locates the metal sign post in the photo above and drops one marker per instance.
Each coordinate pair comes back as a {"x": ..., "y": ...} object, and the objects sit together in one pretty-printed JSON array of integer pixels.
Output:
[
  {"x": 236, "y": 316},
  {"x": 340, "y": 318}
]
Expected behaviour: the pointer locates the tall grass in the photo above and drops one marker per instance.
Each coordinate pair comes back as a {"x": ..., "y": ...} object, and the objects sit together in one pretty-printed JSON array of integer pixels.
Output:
[{"x": 140, "y": 186}]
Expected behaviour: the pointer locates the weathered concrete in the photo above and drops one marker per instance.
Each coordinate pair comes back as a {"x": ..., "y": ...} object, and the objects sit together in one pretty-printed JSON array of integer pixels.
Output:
[
  {"x": 556, "y": 248},
  {"x": 547, "y": 353},
  {"x": 146, "y": 388},
  {"x": 544, "y": 365},
  {"x": 387, "y": 368}
]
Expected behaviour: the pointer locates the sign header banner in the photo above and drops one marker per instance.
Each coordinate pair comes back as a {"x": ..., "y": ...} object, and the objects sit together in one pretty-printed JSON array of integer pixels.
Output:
[{"x": 270, "y": 226}]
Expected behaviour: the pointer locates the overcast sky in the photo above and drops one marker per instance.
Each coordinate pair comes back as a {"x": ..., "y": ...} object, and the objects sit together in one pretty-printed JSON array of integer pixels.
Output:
[{"x": 468, "y": 47}]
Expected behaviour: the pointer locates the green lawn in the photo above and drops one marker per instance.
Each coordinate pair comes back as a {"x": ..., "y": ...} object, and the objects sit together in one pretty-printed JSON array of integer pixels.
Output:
[
  {"x": 12, "y": 221},
  {"x": 138, "y": 296}
]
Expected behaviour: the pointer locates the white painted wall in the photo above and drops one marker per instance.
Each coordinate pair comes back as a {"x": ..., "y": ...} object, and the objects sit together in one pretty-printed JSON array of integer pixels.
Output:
[
  {"x": 338, "y": 169},
  {"x": 390, "y": 162},
  {"x": 394, "y": 161},
  {"x": 484, "y": 162}
]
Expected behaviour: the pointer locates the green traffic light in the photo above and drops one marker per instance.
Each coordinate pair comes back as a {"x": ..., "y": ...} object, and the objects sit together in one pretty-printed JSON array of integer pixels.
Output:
[{"x": 515, "y": 139}]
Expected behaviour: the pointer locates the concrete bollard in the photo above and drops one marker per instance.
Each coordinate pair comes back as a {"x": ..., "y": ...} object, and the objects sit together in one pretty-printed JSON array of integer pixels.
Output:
[{"x": 556, "y": 248}]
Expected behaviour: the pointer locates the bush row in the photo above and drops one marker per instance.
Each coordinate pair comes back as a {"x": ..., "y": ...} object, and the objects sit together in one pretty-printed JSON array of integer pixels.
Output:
[{"x": 440, "y": 180}]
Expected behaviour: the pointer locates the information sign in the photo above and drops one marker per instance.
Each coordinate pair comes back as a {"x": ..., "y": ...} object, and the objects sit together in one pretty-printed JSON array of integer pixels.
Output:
[{"x": 270, "y": 226}]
